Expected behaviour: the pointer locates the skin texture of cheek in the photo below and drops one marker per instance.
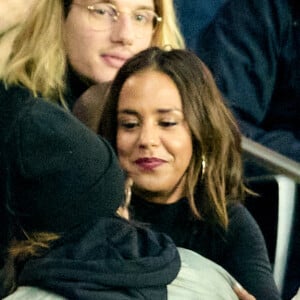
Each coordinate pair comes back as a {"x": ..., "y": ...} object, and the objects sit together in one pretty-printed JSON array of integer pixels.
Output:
[{"x": 84, "y": 53}]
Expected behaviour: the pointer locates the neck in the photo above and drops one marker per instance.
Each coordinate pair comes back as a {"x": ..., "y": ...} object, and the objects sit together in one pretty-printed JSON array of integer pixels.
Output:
[
  {"x": 161, "y": 197},
  {"x": 76, "y": 86}
]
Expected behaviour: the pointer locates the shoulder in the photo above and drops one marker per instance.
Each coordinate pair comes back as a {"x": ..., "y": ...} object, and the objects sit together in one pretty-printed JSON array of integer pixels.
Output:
[
  {"x": 18, "y": 106},
  {"x": 237, "y": 210},
  {"x": 21, "y": 110},
  {"x": 240, "y": 218},
  {"x": 243, "y": 233},
  {"x": 13, "y": 94},
  {"x": 244, "y": 236},
  {"x": 12, "y": 105}
]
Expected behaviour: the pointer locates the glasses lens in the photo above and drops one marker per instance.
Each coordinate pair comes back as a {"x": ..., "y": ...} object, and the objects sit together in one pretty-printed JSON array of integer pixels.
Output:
[
  {"x": 144, "y": 22},
  {"x": 101, "y": 16}
]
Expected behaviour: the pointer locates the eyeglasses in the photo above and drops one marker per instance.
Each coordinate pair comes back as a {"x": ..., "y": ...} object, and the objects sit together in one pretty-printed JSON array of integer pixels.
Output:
[{"x": 102, "y": 16}]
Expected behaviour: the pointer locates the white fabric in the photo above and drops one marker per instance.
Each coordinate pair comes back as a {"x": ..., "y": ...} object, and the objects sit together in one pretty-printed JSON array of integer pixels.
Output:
[
  {"x": 297, "y": 296},
  {"x": 200, "y": 278},
  {"x": 32, "y": 293}
]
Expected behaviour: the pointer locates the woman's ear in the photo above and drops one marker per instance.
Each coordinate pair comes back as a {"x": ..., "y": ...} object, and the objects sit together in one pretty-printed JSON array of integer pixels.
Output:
[{"x": 128, "y": 185}]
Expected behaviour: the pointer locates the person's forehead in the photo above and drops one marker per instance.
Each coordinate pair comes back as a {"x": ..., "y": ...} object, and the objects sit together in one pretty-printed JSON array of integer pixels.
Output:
[{"x": 151, "y": 86}]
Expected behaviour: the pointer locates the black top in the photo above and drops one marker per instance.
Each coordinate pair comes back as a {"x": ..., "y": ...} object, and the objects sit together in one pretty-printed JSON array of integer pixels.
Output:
[
  {"x": 241, "y": 250},
  {"x": 50, "y": 163}
]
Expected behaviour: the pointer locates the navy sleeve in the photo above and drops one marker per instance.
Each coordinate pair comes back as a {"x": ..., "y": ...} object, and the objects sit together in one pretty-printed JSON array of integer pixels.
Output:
[
  {"x": 242, "y": 47},
  {"x": 247, "y": 257}
]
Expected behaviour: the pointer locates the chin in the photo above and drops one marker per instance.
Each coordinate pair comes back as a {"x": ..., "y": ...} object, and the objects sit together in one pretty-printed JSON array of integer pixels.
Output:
[
  {"x": 148, "y": 190},
  {"x": 105, "y": 74}
]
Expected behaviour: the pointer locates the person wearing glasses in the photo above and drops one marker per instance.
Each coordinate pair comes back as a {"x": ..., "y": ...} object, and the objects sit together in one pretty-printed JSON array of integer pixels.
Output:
[{"x": 64, "y": 46}]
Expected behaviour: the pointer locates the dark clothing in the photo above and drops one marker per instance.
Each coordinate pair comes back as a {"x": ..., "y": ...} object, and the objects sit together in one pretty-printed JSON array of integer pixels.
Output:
[
  {"x": 194, "y": 16},
  {"x": 112, "y": 260},
  {"x": 75, "y": 88},
  {"x": 253, "y": 49},
  {"x": 51, "y": 163},
  {"x": 241, "y": 250}
]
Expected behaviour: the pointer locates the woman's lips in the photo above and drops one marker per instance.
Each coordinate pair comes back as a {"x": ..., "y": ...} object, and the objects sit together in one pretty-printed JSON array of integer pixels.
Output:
[{"x": 149, "y": 163}]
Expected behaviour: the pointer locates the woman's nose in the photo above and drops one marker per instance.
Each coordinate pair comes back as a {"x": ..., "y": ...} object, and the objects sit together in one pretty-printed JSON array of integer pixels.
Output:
[{"x": 149, "y": 136}]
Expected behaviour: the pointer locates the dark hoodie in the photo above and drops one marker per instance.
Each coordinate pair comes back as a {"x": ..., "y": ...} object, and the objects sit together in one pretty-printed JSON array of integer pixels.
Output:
[
  {"x": 112, "y": 260},
  {"x": 58, "y": 176}
]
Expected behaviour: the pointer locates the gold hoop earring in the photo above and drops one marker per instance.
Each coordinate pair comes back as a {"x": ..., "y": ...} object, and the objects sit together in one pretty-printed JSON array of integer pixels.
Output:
[
  {"x": 123, "y": 210},
  {"x": 128, "y": 185},
  {"x": 203, "y": 166}
]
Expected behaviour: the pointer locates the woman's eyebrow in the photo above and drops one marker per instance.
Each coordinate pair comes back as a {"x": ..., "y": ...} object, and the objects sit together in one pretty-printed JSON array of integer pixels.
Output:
[
  {"x": 168, "y": 110},
  {"x": 159, "y": 110},
  {"x": 127, "y": 111}
]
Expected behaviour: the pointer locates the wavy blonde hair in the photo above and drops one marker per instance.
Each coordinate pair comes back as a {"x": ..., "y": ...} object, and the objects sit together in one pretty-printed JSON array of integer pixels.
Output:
[
  {"x": 168, "y": 32},
  {"x": 12, "y": 13},
  {"x": 38, "y": 59}
]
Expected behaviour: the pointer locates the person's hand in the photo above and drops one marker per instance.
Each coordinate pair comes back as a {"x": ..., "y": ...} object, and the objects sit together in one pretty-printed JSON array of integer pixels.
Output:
[{"x": 242, "y": 293}]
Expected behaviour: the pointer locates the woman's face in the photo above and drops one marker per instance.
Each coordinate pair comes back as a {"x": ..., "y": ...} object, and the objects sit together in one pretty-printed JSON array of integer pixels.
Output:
[
  {"x": 154, "y": 141},
  {"x": 98, "y": 54}
]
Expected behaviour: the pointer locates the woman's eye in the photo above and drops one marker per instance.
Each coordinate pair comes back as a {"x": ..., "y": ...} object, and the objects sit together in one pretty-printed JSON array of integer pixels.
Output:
[
  {"x": 128, "y": 125},
  {"x": 168, "y": 123}
]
